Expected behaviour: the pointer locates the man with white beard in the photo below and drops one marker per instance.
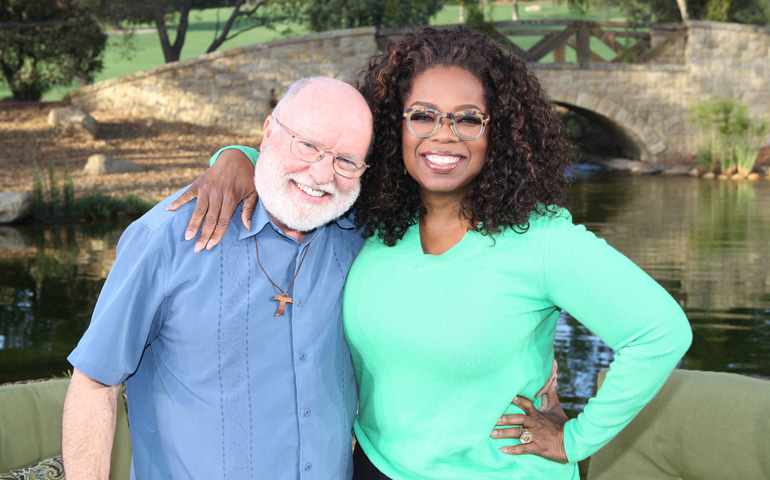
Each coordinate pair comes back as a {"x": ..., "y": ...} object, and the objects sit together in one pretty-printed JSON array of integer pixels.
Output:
[{"x": 234, "y": 358}]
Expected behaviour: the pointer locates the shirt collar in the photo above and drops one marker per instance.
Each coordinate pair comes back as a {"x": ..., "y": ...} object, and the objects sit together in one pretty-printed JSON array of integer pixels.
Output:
[{"x": 261, "y": 219}]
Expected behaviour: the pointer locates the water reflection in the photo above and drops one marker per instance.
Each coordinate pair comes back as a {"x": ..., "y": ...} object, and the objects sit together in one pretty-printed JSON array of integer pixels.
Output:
[
  {"x": 50, "y": 277},
  {"x": 704, "y": 241}
]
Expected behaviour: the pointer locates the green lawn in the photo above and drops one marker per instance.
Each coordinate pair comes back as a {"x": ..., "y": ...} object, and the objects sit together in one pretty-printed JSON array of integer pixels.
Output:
[{"x": 144, "y": 51}]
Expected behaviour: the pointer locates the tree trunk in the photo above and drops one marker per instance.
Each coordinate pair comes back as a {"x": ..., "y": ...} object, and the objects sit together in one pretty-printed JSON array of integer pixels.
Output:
[
  {"x": 219, "y": 39},
  {"x": 171, "y": 53},
  {"x": 682, "y": 9}
]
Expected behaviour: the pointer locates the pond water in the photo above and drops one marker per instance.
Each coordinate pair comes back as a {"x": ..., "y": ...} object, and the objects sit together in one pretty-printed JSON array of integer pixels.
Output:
[{"x": 705, "y": 241}]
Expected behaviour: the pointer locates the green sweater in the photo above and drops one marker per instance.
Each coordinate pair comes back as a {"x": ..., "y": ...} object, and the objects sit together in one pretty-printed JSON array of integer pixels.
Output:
[{"x": 442, "y": 344}]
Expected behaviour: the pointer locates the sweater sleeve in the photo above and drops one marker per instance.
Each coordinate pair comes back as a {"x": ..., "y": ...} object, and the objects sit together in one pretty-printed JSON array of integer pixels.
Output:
[
  {"x": 252, "y": 153},
  {"x": 629, "y": 311}
]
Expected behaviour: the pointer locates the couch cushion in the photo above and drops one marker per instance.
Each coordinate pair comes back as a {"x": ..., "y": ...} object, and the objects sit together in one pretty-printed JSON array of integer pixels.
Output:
[
  {"x": 30, "y": 426},
  {"x": 49, "y": 469},
  {"x": 30, "y": 422},
  {"x": 701, "y": 425}
]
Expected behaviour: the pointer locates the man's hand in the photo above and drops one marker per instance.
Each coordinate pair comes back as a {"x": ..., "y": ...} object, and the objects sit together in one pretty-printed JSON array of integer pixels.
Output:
[
  {"x": 219, "y": 190},
  {"x": 545, "y": 425}
]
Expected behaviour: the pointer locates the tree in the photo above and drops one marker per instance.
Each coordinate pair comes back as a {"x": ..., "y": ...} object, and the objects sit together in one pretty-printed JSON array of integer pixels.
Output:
[
  {"x": 323, "y": 15},
  {"x": 45, "y": 43},
  {"x": 168, "y": 15},
  {"x": 741, "y": 11},
  {"x": 682, "y": 4}
]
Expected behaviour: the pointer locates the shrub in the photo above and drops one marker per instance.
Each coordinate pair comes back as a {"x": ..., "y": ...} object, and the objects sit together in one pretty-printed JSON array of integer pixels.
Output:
[{"x": 727, "y": 137}]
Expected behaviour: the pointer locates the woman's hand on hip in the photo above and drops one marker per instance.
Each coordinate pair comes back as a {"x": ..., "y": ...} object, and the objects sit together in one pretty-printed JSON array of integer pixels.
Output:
[{"x": 545, "y": 427}]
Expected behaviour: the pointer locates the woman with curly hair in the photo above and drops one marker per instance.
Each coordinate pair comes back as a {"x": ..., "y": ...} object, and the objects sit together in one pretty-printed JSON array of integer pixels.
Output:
[{"x": 450, "y": 309}]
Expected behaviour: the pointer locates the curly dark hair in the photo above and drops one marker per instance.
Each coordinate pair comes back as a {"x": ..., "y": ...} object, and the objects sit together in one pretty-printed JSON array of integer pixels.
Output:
[{"x": 528, "y": 152}]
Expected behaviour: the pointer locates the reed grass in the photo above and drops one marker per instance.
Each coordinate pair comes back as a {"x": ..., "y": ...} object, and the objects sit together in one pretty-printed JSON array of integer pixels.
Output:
[
  {"x": 52, "y": 202},
  {"x": 53, "y": 191},
  {"x": 69, "y": 192},
  {"x": 728, "y": 139},
  {"x": 37, "y": 190}
]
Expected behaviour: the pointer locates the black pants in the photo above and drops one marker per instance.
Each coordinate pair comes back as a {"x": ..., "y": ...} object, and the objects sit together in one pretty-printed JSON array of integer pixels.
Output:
[{"x": 363, "y": 468}]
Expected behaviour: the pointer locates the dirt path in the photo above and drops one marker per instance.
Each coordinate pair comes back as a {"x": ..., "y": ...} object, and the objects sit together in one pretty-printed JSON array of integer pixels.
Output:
[{"x": 176, "y": 152}]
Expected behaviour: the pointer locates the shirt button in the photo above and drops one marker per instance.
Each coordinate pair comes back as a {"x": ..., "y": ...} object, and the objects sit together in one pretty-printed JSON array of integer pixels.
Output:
[
  {"x": 306, "y": 412},
  {"x": 308, "y": 466},
  {"x": 302, "y": 356},
  {"x": 299, "y": 302}
]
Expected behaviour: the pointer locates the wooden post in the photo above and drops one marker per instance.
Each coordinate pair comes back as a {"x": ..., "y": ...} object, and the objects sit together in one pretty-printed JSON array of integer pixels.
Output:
[
  {"x": 558, "y": 54},
  {"x": 583, "y": 43}
]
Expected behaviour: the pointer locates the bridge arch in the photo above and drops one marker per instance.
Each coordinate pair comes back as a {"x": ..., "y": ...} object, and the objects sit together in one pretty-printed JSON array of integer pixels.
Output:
[{"x": 634, "y": 136}]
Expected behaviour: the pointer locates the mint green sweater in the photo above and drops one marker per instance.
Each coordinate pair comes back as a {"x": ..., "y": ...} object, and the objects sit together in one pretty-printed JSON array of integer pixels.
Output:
[{"x": 442, "y": 344}]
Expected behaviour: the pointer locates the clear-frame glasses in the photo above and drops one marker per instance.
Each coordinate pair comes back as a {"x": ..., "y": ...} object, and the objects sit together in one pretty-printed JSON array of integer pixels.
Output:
[
  {"x": 311, "y": 152},
  {"x": 424, "y": 122}
]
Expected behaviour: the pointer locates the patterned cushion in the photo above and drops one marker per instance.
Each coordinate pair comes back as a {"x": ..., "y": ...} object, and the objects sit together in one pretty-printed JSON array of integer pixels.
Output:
[{"x": 50, "y": 469}]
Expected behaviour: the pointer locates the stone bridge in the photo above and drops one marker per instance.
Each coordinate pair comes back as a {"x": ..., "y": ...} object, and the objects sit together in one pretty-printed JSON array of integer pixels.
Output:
[{"x": 646, "y": 106}]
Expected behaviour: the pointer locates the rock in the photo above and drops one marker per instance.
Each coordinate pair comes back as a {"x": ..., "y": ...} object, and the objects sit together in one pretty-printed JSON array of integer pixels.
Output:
[
  {"x": 15, "y": 206},
  {"x": 753, "y": 176},
  {"x": 709, "y": 175},
  {"x": 644, "y": 168},
  {"x": 101, "y": 164},
  {"x": 617, "y": 164},
  {"x": 532, "y": 8},
  {"x": 13, "y": 239},
  {"x": 73, "y": 121},
  {"x": 677, "y": 170}
]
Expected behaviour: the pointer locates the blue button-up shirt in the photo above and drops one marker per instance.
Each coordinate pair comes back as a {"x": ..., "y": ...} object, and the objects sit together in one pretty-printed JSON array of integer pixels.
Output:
[{"x": 218, "y": 386}]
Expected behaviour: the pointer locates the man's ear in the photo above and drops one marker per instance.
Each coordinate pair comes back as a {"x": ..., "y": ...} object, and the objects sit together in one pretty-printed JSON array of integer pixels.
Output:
[{"x": 267, "y": 130}]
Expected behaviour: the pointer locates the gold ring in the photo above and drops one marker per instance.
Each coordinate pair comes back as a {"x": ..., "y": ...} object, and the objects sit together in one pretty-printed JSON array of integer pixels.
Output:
[{"x": 526, "y": 436}]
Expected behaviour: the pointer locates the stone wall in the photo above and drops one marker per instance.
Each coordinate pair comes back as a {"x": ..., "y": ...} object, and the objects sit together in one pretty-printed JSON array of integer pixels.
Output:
[
  {"x": 233, "y": 88},
  {"x": 646, "y": 105},
  {"x": 730, "y": 61}
]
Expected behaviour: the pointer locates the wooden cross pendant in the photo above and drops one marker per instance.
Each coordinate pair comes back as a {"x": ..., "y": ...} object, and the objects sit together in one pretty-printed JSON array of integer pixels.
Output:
[{"x": 284, "y": 300}]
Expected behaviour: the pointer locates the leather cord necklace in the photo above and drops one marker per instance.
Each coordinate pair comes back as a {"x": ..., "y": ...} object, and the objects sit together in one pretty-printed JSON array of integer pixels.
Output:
[{"x": 285, "y": 298}]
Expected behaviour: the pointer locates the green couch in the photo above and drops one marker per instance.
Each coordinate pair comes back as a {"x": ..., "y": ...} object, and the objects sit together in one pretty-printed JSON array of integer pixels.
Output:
[
  {"x": 30, "y": 431},
  {"x": 700, "y": 426}
]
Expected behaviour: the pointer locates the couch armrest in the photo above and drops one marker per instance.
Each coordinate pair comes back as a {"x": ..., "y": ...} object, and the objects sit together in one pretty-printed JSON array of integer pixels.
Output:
[
  {"x": 701, "y": 425},
  {"x": 30, "y": 426}
]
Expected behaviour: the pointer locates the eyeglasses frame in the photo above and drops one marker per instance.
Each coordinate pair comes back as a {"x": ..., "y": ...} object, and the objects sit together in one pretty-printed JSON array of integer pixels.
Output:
[
  {"x": 484, "y": 117},
  {"x": 341, "y": 172}
]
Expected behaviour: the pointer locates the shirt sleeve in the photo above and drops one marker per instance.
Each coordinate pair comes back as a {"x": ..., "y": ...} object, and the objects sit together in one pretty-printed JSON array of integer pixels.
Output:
[
  {"x": 252, "y": 153},
  {"x": 129, "y": 311},
  {"x": 630, "y": 312}
]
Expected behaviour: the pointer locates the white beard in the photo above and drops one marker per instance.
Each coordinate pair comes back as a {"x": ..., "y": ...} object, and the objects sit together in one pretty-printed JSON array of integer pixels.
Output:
[{"x": 275, "y": 189}]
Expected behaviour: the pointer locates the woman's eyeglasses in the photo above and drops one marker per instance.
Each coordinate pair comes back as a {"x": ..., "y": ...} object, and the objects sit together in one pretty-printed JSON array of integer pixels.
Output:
[{"x": 466, "y": 125}]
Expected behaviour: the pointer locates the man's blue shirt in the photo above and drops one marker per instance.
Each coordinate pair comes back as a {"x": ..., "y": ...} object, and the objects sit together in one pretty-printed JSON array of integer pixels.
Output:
[{"x": 218, "y": 386}]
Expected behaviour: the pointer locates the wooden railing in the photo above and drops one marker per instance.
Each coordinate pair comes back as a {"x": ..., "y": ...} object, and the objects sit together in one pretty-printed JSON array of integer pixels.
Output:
[{"x": 591, "y": 41}]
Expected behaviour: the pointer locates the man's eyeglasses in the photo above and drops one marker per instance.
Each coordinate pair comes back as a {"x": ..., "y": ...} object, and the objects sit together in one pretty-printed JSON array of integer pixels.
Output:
[
  {"x": 466, "y": 125},
  {"x": 311, "y": 152}
]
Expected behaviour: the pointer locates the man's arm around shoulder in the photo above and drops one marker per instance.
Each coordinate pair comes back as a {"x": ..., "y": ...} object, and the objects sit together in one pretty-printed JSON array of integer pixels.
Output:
[{"x": 88, "y": 428}]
